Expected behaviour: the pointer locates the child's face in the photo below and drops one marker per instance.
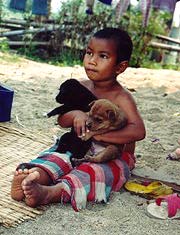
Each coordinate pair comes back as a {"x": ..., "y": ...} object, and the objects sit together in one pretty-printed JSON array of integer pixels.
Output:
[{"x": 100, "y": 60}]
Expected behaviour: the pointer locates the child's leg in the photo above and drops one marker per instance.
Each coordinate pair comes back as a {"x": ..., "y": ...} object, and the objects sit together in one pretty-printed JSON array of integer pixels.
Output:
[
  {"x": 16, "y": 187},
  {"x": 37, "y": 194},
  {"x": 87, "y": 182},
  {"x": 51, "y": 166}
]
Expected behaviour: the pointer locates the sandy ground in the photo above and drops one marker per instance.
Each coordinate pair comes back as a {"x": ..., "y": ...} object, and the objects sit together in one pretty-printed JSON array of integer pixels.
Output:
[{"x": 157, "y": 93}]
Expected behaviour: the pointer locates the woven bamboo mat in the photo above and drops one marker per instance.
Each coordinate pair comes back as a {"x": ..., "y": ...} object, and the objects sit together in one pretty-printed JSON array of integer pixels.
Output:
[{"x": 16, "y": 147}]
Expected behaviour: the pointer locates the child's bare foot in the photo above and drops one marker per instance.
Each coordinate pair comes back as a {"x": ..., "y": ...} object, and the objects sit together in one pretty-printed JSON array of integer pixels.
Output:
[
  {"x": 16, "y": 188},
  {"x": 174, "y": 155},
  {"x": 37, "y": 194}
]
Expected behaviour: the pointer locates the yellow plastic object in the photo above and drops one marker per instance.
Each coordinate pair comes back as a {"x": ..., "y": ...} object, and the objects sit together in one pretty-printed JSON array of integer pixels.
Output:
[{"x": 153, "y": 190}]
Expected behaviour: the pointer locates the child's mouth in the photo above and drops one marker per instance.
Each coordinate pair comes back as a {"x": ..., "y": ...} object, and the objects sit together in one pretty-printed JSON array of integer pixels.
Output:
[{"x": 91, "y": 71}]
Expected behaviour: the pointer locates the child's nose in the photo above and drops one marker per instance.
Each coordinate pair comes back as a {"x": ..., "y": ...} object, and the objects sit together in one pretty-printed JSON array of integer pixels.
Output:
[{"x": 93, "y": 60}]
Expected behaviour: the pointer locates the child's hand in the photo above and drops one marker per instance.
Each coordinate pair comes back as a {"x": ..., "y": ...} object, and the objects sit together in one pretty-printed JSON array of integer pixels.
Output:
[{"x": 79, "y": 123}]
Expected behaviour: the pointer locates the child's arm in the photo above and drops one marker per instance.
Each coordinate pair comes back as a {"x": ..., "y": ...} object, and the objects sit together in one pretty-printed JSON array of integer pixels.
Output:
[
  {"x": 135, "y": 129},
  {"x": 76, "y": 119}
]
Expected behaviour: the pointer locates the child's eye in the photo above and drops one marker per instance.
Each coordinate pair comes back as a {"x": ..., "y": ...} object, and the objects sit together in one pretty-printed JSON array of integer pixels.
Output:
[
  {"x": 89, "y": 53},
  {"x": 103, "y": 56}
]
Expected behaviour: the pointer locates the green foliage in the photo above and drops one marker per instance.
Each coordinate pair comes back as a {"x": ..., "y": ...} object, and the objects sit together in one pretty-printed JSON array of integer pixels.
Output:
[
  {"x": 67, "y": 58},
  {"x": 77, "y": 27},
  {"x": 142, "y": 36},
  {"x": 9, "y": 57},
  {"x": 1, "y": 9},
  {"x": 4, "y": 45}
]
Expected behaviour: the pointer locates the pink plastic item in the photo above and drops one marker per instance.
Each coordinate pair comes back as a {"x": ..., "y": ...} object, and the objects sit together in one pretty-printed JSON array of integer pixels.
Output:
[{"x": 173, "y": 203}]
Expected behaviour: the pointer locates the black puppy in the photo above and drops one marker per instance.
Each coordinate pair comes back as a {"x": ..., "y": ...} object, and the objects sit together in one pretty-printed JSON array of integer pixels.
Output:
[
  {"x": 73, "y": 96},
  {"x": 70, "y": 142}
]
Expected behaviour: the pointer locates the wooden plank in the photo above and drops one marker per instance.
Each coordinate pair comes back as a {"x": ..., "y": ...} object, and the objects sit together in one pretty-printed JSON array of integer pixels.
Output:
[
  {"x": 169, "y": 39},
  {"x": 26, "y": 23},
  {"x": 26, "y": 31},
  {"x": 21, "y": 43},
  {"x": 10, "y": 26},
  {"x": 164, "y": 46}
]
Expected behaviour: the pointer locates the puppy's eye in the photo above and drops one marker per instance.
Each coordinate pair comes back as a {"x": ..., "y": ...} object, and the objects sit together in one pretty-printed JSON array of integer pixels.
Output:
[{"x": 98, "y": 120}]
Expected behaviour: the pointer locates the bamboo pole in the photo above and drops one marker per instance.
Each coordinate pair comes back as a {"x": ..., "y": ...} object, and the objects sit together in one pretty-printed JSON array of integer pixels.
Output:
[
  {"x": 25, "y": 23},
  {"x": 22, "y": 43},
  {"x": 169, "y": 39},
  {"x": 164, "y": 46},
  {"x": 20, "y": 32}
]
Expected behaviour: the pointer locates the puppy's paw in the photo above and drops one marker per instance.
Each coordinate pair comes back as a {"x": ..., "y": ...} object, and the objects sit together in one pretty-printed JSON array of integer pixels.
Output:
[
  {"x": 84, "y": 138},
  {"x": 46, "y": 115},
  {"x": 87, "y": 136},
  {"x": 94, "y": 159},
  {"x": 77, "y": 161}
]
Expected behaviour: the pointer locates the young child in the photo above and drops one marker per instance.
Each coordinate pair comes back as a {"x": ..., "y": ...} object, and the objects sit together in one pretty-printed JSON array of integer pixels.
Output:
[{"x": 51, "y": 178}]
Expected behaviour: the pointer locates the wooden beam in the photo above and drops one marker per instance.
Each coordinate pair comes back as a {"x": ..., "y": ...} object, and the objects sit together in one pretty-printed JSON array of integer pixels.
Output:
[
  {"x": 21, "y": 43},
  {"x": 26, "y": 23},
  {"x": 169, "y": 39},
  {"x": 18, "y": 22},
  {"x": 164, "y": 46},
  {"x": 26, "y": 31},
  {"x": 12, "y": 27}
]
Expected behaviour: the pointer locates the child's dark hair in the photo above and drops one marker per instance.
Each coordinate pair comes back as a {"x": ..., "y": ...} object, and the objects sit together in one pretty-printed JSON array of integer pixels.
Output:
[{"x": 122, "y": 40}]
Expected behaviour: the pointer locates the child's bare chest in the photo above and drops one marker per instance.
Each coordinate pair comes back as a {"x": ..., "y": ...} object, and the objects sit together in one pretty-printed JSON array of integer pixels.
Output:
[{"x": 103, "y": 93}]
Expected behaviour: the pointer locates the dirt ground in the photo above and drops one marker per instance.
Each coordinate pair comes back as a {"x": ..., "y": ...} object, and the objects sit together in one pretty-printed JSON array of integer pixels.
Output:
[{"x": 157, "y": 94}]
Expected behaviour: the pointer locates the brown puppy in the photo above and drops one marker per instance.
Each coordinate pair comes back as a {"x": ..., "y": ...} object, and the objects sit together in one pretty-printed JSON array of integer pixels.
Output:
[{"x": 103, "y": 116}]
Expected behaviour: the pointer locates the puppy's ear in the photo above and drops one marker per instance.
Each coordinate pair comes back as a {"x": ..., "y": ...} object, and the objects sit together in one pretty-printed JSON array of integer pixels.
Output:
[
  {"x": 91, "y": 104},
  {"x": 111, "y": 115}
]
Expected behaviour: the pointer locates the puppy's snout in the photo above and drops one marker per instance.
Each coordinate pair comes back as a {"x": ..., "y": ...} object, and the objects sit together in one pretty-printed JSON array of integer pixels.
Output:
[{"x": 58, "y": 97}]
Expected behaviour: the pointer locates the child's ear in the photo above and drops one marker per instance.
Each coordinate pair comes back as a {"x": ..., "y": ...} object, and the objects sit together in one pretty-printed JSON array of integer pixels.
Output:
[{"x": 121, "y": 67}]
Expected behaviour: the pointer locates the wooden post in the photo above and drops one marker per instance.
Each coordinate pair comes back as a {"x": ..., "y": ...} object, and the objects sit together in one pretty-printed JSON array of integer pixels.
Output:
[
  {"x": 173, "y": 57},
  {"x": 29, "y": 43},
  {"x": 20, "y": 32},
  {"x": 164, "y": 46}
]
